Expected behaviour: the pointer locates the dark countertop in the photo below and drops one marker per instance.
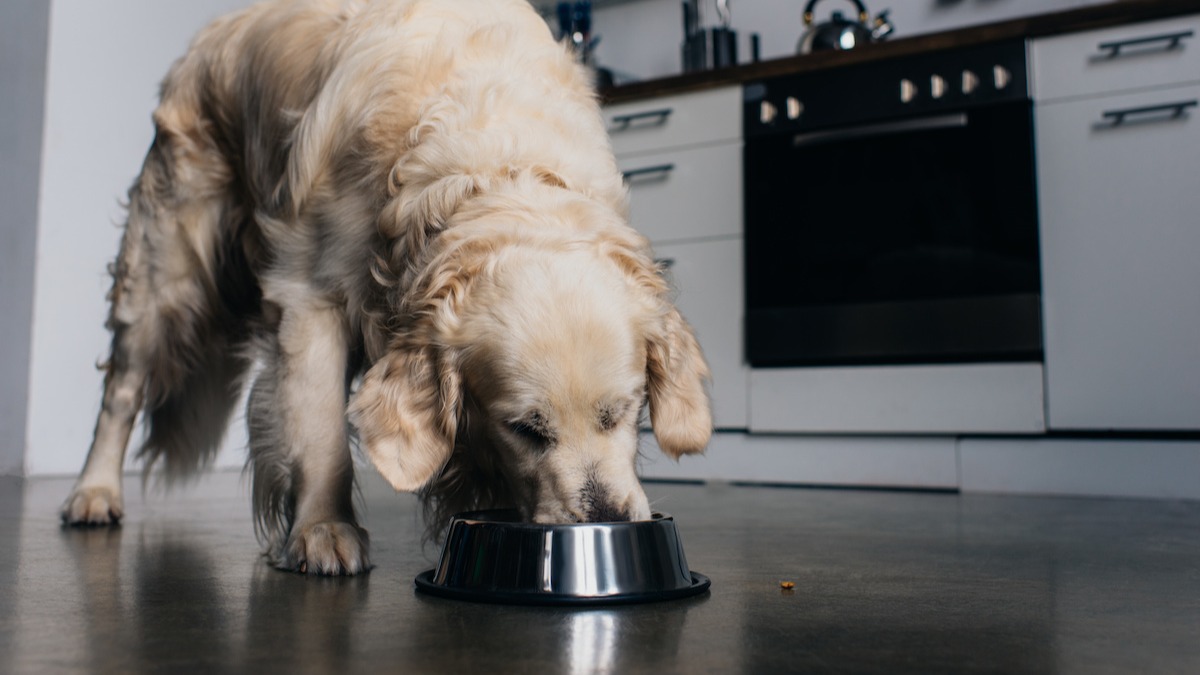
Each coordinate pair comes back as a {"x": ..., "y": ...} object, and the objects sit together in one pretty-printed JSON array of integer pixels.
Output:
[{"x": 1084, "y": 18}]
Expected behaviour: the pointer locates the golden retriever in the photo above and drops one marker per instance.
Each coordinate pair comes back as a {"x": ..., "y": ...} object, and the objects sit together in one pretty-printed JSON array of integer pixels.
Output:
[{"x": 405, "y": 214}]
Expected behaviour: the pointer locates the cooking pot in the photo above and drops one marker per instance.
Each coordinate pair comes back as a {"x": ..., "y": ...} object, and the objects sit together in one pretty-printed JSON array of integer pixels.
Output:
[{"x": 841, "y": 33}]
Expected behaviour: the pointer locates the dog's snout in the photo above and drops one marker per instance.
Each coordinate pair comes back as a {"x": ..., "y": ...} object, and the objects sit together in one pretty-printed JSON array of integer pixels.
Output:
[
  {"x": 606, "y": 512},
  {"x": 599, "y": 506}
]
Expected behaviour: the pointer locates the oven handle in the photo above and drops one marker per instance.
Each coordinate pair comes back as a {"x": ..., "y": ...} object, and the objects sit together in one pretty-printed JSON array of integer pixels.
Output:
[{"x": 951, "y": 121}]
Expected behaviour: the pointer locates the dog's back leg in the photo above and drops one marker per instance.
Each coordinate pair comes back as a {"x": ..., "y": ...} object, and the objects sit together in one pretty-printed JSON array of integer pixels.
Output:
[{"x": 164, "y": 290}]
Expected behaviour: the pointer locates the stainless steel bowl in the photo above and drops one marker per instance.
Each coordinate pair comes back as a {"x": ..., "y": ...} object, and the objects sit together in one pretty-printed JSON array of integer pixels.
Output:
[{"x": 490, "y": 556}]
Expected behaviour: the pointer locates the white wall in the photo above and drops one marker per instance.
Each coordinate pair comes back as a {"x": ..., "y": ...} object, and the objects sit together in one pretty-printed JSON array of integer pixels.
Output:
[
  {"x": 642, "y": 37},
  {"x": 22, "y": 75},
  {"x": 106, "y": 58}
]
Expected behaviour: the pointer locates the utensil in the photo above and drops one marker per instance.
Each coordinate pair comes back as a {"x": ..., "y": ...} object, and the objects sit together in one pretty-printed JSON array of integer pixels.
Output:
[
  {"x": 708, "y": 48},
  {"x": 840, "y": 33},
  {"x": 491, "y": 556}
]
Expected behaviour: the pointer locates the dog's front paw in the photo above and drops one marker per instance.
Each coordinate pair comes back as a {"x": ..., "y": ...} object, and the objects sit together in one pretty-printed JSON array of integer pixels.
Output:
[
  {"x": 93, "y": 506},
  {"x": 330, "y": 548}
]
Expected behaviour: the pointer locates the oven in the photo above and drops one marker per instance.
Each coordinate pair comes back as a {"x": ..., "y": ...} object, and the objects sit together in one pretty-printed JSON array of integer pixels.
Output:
[{"x": 891, "y": 213}]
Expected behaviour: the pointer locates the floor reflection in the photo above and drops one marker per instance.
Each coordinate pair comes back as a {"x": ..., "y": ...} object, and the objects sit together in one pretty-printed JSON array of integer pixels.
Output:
[
  {"x": 592, "y": 646},
  {"x": 568, "y": 640},
  {"x": 302, "y": 624}
]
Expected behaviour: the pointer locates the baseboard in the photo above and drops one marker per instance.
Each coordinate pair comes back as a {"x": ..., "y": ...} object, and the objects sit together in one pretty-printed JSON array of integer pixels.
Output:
[{"x": 1094, "y": 467}]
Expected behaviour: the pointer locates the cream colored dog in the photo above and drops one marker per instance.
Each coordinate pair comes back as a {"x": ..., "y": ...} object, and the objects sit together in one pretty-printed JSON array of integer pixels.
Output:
[{"x": 417, "y": 192}]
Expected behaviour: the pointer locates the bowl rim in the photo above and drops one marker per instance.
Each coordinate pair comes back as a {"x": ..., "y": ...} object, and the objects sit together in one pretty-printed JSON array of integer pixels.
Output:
[{"x": 479, "y": 517}]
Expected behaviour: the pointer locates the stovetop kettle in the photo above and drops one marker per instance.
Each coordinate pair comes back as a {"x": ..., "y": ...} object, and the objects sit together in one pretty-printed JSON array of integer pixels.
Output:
[{"x": 841, "y": 33}]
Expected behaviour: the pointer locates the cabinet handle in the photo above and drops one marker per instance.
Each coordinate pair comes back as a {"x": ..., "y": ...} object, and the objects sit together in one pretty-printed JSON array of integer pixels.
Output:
[
  {"x": 659, "y": 170},
  {"x": 623, "y": 122},
  {"x": 1116, "y": 118},
  {"x": 1172, "y": 40}
]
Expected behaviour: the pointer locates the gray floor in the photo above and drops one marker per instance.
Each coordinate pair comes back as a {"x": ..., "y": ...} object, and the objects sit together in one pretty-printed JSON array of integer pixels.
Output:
[{"x": 884, "y": 582}]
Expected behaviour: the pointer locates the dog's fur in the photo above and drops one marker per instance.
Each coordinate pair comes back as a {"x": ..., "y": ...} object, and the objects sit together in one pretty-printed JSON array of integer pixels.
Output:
[{"x": 417, "y": 192}]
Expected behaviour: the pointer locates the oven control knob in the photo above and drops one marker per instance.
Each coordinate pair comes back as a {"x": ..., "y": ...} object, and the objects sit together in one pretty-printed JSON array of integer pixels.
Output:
[
  {"x": 767, "y": 112},
  {"x": 1001, "y": 76},
  {"x": 794, "y": 108},
  {"x": 970, "y": 82},
  {"x": 937, "y": 86},
  {"x": 908, "y": 91}
]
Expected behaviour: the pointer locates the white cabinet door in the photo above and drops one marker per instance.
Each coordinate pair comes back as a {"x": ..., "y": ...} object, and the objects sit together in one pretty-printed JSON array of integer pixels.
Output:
[
  {"x": 686, "y": 193},
  {"x": 707, "y": 277},
  {"x": 1120, "y": 228}
]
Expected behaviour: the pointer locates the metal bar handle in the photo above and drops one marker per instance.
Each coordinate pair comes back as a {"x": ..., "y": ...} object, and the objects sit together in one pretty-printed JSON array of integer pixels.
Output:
[
  {"x": 659, "y": 169},
  {"x": 1177, "y": 110},
  {"x": 623, "y": 122},
  {"x": 936, "y": 122},
  {"x": 1172, "y": 40}
]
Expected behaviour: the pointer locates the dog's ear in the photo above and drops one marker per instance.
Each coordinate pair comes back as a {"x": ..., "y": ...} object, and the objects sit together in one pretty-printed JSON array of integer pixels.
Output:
[
  {"x": 677, "y": 375},
  {"x": 676, "y": 384},
  {"x": 406, "y": 412}
]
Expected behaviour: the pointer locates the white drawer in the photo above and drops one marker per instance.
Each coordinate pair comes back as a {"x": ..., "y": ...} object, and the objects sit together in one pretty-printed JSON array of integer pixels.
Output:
[
  {"x": 686, "y": 194},
  {"x": 1136, "y": 56},
  {"x": 935, "y": 399},
  {"x": 672, "y": 121}
]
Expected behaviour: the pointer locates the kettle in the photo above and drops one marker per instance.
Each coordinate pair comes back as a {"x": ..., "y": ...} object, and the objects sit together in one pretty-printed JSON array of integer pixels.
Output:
[{"x": 840, "y": 33}]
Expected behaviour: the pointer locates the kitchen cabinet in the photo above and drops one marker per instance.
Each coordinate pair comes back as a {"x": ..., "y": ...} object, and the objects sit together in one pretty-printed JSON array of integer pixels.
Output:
[
  {"x": 1125, "y": 58},
  {"x": 1120, "y": 233},
  {"x": 685, "y": 120},
  {"x": 682, "y": 156},
  {"x": 686, "y": 193},
  {"x": 707, "y": 278}
]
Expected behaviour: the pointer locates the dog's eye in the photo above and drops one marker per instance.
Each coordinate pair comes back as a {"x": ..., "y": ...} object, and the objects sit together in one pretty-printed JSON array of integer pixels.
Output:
[
  {"x": 530, "y": 433},
  {"x": 611, "y": 415}
]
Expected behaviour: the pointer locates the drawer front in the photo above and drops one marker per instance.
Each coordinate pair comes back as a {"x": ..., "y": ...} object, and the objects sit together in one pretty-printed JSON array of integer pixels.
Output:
[
  {"x": 991, "y": 398},
  {"x": 707, "y": 280},
  {"x": 1137, "y": 56},
  {"x": 673, "y": 121},
  {"x": 686, "y": 194}
]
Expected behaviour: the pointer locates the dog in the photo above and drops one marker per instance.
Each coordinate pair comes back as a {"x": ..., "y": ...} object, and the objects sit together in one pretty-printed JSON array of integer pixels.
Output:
[{"x": 400, "y": 222}]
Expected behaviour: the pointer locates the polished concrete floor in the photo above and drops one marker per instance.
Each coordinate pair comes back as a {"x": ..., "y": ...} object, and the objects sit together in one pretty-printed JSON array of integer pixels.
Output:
[{"x": 884, "y": 582}]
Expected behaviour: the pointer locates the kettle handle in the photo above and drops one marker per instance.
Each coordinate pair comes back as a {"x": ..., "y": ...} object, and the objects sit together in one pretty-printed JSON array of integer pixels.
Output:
[{"x": 863, "y": 15}]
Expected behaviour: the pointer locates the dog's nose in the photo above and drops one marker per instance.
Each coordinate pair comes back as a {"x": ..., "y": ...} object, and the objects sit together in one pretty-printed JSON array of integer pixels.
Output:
[
  {"x": 605, "y": 511},
  {"x": 598, "y": 504}
]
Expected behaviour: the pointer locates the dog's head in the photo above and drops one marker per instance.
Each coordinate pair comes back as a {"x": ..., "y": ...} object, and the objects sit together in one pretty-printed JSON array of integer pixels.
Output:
[{"x": 532, "y": 343}]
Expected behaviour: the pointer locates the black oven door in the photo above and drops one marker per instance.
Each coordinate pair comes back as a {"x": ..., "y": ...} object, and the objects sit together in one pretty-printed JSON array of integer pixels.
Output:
[{"x": 898, "y": 241}]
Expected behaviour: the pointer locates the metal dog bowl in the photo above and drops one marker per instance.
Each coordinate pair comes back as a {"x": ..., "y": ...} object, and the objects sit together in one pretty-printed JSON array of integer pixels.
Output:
[{"x": 491, "y": 556}]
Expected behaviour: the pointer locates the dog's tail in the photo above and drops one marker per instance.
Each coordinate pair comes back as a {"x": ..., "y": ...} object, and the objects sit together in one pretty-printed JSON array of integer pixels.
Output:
[
  {"x": 187, "y": 416},
  {"x": 185, "y": 294}
]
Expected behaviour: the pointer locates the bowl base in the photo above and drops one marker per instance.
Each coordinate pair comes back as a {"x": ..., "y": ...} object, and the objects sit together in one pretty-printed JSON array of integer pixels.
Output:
[{"x": 425, "y": 584}]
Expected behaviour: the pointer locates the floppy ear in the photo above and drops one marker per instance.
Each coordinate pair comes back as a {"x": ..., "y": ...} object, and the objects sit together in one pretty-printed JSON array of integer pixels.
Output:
[
  {"x": 406, "y": 412},
  {"x": 676, "y": 383}
]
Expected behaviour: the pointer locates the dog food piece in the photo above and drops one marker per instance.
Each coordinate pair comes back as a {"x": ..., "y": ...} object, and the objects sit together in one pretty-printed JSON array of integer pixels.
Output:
[{"x": 787, "y": 585}]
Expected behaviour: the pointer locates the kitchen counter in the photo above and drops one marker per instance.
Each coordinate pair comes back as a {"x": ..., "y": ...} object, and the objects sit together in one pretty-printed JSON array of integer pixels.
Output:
[{"x": 1085, "y": 18}]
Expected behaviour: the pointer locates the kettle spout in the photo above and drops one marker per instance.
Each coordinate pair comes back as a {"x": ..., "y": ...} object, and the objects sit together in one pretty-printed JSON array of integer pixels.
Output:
[{"x": 882, "y": 26}]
